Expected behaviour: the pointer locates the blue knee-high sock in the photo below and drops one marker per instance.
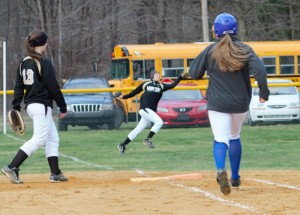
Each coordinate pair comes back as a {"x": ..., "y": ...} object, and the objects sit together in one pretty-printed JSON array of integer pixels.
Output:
[
  {"x": 235, "y": 155},
  {"x": 220, "y": 150}
]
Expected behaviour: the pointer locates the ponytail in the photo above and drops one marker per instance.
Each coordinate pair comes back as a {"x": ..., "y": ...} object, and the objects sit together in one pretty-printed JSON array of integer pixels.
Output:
[
  {"x": 230, "y": 56},
  {"x": 34, "y": 39}
]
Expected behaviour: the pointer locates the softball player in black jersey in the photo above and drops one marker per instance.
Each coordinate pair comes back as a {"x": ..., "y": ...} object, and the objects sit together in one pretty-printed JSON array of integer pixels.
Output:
[
  {"x": 38, "y": 79},
  {"x": 153, "y": 91}
]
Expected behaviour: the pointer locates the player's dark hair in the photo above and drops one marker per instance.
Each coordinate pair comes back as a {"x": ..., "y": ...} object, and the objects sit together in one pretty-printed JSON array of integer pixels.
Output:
[
  {"x": 35, "y": 38},
  {"x": 152, "y": 73}
]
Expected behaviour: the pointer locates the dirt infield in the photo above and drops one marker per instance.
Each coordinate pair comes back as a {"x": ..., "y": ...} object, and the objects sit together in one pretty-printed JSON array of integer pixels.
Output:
[{"x": 110, "y": 193}]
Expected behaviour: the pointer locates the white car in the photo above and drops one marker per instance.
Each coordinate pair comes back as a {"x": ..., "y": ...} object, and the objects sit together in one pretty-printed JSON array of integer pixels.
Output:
[{"x": 283, "y": 104}]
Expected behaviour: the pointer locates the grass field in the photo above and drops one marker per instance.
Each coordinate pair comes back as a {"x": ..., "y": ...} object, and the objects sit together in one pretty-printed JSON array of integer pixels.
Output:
[
  {"x": 185, "y": 149},
  {"x": 99, "y": 178}
]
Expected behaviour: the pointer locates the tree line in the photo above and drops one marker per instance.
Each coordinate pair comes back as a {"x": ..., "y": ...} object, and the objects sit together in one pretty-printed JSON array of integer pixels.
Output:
[{"x": 83, "y": 33}]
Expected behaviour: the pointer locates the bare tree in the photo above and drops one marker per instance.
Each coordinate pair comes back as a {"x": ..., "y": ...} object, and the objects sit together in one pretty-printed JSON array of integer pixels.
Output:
[{"x": 83, "y": 33}]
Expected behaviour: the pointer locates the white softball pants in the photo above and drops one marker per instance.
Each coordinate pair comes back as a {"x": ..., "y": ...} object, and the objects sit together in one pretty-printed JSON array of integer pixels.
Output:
[
  {"x": 226, "y": 126},
  {"x": 147, "y": 116},
  {"x": 44, "y": 131}
]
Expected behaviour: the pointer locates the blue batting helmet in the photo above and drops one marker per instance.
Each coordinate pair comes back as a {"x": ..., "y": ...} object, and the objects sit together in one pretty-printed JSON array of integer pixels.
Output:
[{"x": 225, "y": 23}]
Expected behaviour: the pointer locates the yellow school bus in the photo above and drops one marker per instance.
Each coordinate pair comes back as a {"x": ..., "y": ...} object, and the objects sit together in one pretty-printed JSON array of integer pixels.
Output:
[{"x": 131, "y": 64}]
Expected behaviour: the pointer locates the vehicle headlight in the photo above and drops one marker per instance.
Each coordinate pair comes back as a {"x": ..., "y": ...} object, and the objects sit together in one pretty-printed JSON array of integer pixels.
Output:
[
  {"x": 294, "y": 105},
  {"x": 161, "y": 109},
  {"x": 107, "y": 106},
  {"x": 201, "y": 108},
  {"x": 258, "y": 106},
  {"x": 69, "y": 108}
]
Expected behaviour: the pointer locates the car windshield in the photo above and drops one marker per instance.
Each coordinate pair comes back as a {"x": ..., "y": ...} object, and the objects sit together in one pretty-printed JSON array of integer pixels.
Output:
[
  {"x": 86, "y": 85},
  {"x": 182, "y": 95},
  {"x": 279, "y": 91}
]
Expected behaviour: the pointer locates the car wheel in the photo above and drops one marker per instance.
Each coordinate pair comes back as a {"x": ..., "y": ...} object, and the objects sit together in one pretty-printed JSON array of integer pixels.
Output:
[
  {"x": 62, "y": 126},
  {"x": 94, "y": 127},
  {"x": 251, "y": 123}
]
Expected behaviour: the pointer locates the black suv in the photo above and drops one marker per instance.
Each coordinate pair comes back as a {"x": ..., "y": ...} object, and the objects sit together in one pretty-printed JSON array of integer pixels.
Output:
[{"x": 95, "y": 110}]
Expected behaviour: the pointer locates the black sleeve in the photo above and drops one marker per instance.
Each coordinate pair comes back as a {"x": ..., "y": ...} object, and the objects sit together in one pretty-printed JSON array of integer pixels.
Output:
[
  {"x": 170, "y": 86},
  {"x": 135, "y": 91},
  {"x": 257, "y": 69},
  {"x": 18, "y": 91},
  {"x": 197, "y": 68},
  {"x": 49, "y": 78}
]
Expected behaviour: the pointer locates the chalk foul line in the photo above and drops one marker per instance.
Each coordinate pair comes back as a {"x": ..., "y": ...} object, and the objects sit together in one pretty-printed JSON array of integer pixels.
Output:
[
  {"x": 69, "y": 157},
  {"x": 85, "y": 162},
  {"x": 272, "y": 183},
  {"x": 209, "y": 195}
]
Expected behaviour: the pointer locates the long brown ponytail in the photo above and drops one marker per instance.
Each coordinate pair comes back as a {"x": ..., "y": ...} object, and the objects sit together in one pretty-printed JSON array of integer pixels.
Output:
[{"x": 230, "y": 56}]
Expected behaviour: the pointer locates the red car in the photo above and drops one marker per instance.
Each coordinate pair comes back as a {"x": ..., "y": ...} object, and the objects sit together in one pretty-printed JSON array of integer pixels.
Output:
[{"x": 183, "y": 108}]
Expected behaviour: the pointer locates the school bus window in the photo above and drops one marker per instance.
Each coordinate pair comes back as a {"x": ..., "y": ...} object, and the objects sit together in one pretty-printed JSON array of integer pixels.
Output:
[
  {"x": 189, "y": 62},
  {"x": 119, "y": 69},
  {"x": 287, "y": 64},
  {"x": 172, "y": 67},
  {"x": 270, "y": 64},
  {"x": 142, "y": 68},
  {"x": 138, "y": 69},
  {"x": 149, "y": 66}
]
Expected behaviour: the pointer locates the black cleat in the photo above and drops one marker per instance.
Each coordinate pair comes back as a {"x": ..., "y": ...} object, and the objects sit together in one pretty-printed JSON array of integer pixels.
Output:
[
  {"x": 57, "y": 178},
  {"x": 235, "y": 183},
  {"x": 148, "y": 142},
  {"x": 121, "y": 148},
  {"x": 12, "y": 174}
]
